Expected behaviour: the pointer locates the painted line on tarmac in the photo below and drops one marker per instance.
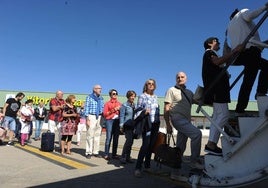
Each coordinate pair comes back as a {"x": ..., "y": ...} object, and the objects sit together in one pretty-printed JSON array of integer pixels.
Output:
[{"x": 63, "y": 161}]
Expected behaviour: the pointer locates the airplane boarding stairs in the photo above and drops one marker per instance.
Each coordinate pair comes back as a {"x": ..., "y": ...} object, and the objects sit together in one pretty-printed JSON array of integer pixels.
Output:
[{"x": 244, "y": 161}]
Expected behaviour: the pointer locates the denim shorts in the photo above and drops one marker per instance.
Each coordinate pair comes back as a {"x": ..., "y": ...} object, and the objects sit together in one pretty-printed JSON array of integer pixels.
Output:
[{"x": 9, "y": 123}]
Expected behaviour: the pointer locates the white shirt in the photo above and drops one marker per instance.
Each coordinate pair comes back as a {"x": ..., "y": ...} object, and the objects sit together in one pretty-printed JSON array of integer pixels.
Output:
[
  {"x": 241, "y": 25},
  {"x": 26, "y": 111},
  {"x": 40, "y": 110}
]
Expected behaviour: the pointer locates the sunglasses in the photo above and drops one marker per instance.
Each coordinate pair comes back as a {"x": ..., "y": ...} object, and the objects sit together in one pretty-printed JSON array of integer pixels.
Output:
[
  {"x": 114, "y": 93},
  {"x": 217, "y": 41}
]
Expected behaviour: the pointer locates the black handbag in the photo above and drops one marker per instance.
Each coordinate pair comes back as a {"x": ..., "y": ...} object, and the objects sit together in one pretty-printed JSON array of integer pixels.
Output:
[{"x": 167, "y": 155}]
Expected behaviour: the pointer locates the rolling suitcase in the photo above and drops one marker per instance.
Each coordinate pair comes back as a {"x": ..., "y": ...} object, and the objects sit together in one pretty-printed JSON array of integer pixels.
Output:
[{"x": 47, "y": 141}]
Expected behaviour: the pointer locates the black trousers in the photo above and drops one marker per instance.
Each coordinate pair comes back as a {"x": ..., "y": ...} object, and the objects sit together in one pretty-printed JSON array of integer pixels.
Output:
[
  {"x": 145, "y": 152},
  {"x": 253, "y": 62},
  {"x": 126, "y": 152}
]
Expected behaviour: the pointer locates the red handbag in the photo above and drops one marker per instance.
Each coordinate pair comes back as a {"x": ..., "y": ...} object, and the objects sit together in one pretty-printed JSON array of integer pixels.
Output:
[{"x": 161, "y": 139}]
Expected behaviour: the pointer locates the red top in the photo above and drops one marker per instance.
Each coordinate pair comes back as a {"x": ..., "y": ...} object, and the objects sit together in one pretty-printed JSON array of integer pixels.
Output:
[
  {"x": 55, "y": 115},
  {"x": 111, "y": 108}
]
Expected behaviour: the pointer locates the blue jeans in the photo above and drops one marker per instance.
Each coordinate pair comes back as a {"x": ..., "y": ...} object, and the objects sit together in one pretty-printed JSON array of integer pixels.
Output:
[
  {"x": 187, "y": 130},
  {"x": 143, "y": 150},
  {"x": 9, "y": 123},
  {"x": 148, "y": 141},
  {"x": 112, "y": 132},
  {"x": 38, "y": 128}
]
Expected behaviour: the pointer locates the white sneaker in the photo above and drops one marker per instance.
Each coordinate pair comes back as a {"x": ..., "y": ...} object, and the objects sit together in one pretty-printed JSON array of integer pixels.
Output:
[{"x": 10, "y": 143}]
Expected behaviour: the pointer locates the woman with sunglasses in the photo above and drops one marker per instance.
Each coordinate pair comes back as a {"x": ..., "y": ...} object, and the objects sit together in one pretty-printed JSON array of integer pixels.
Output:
[
  {"x": 149, "y": 103},
  {"x": 111, "y": 115}
]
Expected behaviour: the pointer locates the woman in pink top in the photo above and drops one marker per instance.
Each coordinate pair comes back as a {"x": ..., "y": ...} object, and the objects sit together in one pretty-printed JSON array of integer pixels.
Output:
[{"x": 111, "y": 115}]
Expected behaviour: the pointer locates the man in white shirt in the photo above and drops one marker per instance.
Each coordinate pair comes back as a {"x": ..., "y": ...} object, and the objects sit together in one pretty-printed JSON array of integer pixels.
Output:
[{"x": 240, "y": 25}]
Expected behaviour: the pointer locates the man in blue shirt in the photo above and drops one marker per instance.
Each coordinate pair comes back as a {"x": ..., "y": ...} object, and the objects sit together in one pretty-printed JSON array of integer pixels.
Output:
[{"x": 93, "y": 111}]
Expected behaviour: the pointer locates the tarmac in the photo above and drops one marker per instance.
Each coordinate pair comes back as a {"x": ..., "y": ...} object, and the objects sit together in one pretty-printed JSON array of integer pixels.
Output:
[{"x": 28, "y": 166}]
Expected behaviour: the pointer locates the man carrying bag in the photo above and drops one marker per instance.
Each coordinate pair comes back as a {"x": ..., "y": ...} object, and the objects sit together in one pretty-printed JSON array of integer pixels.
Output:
[{"x": 177, "y": 111}]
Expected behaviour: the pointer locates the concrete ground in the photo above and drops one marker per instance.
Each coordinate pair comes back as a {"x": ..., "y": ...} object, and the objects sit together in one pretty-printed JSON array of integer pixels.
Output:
[{"x": 29, "y": 167}]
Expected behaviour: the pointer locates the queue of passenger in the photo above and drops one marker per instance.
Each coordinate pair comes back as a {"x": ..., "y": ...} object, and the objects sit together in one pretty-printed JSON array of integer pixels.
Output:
[
  {"x": 65, "y": 118},
  {"x": 17, "y": 118}
]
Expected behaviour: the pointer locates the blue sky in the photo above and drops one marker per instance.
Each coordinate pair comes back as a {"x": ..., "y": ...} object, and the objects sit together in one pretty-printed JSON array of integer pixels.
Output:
[{"x": 46, "y": 45}]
